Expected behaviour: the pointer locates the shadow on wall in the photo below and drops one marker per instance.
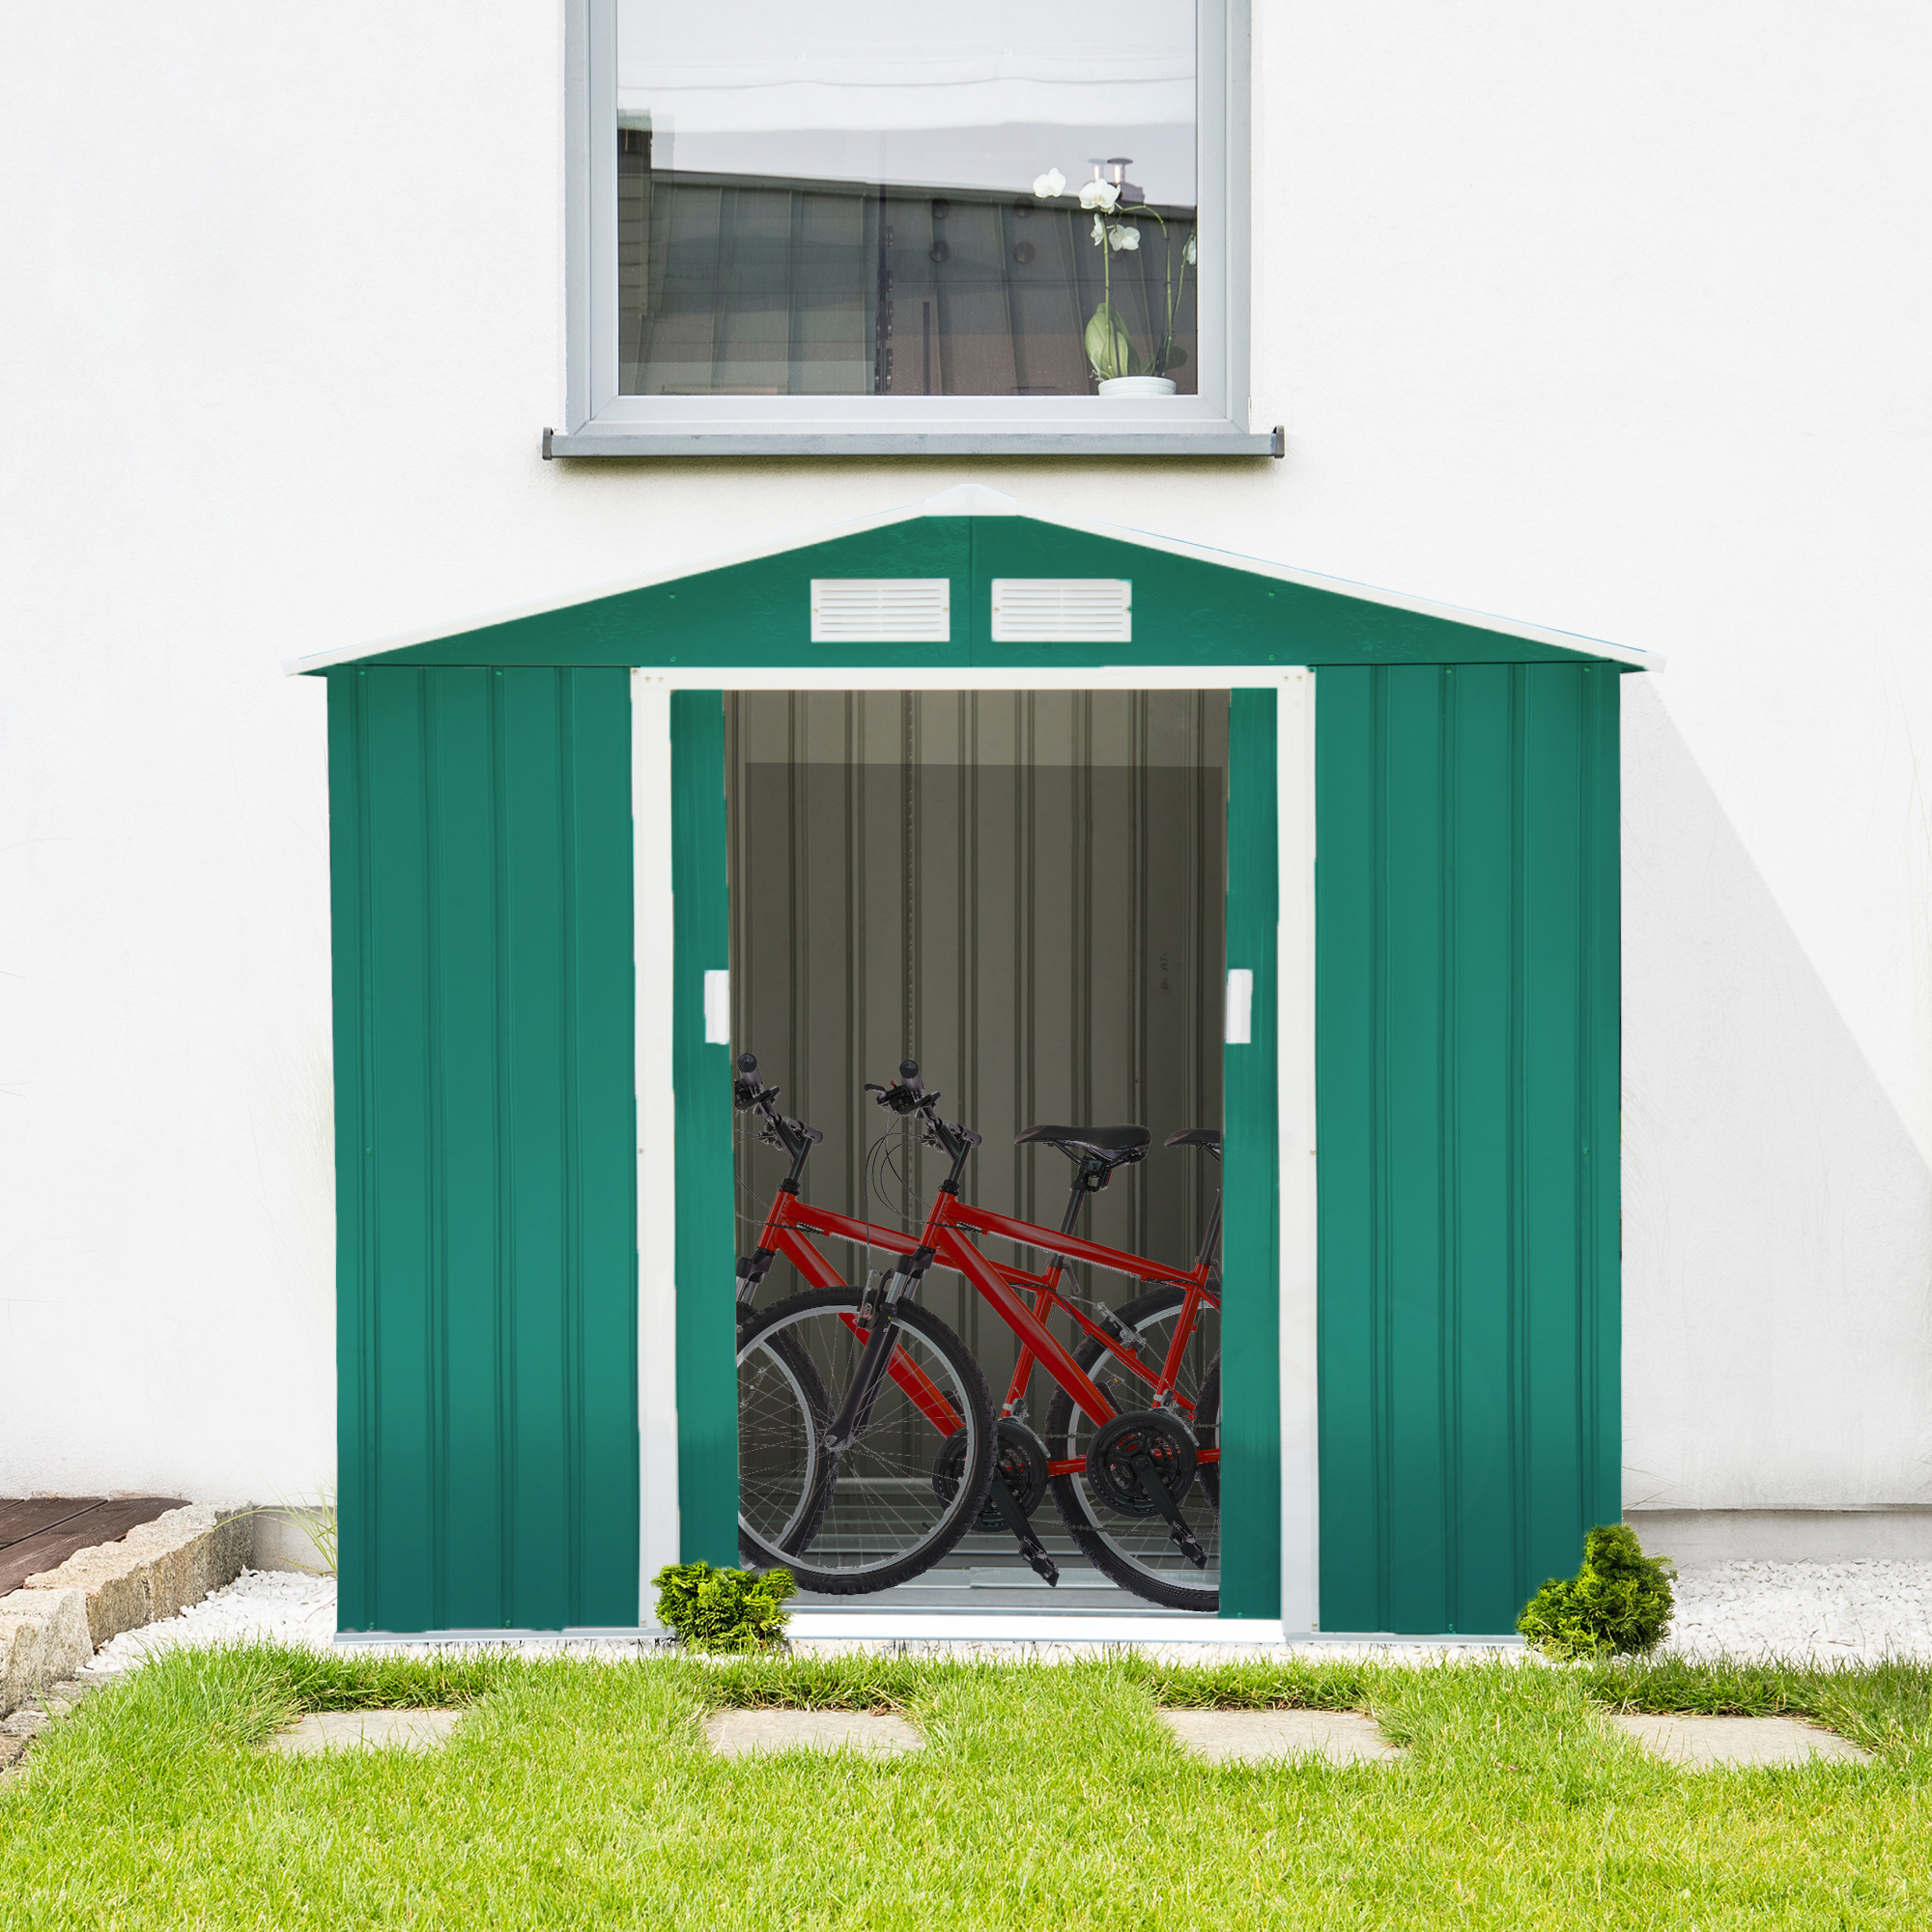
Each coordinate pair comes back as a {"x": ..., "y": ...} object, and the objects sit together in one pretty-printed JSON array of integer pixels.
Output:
[{"x": 1777, "y": 1219}]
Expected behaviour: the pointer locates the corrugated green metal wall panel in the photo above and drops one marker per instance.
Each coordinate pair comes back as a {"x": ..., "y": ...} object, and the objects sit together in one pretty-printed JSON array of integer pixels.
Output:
[
  {"x": 1467, "y": 1069},
  {"x": 485, "y": 1196},
  {"x": 707, "y": 1373}
]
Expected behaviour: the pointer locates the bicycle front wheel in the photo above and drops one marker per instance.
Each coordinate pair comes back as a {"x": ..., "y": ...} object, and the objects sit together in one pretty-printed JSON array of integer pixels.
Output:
[
  {"x": 1134, "y": 1548},
  {"x": 901, "y": 1495}
]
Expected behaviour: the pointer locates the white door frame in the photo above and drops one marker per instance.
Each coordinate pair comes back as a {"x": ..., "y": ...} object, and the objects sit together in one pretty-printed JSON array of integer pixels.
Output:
[{"x": 657, "y": 1129}]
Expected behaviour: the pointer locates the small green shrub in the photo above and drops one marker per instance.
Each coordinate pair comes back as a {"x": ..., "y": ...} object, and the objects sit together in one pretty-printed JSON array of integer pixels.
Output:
[
  {"x": 1618, "y": 1605},
  {"x": 724, "y": 1609}
]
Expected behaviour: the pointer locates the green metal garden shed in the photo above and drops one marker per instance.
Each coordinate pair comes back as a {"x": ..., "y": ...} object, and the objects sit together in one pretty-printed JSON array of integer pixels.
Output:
[{"x": 534, "y": 1158}]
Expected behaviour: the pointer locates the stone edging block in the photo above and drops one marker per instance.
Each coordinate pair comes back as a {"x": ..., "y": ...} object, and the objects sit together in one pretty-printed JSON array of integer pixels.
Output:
[
  {"x": 43, "y": 1639},
  {"x": 155, "y": 1571}
]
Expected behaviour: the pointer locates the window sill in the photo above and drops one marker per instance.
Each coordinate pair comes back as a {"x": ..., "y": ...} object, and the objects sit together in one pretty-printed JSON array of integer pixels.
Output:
[{"x": 614, "y": 440}]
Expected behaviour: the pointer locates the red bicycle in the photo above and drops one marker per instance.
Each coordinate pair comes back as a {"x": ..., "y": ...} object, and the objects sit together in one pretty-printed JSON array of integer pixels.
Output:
[{"x": 867, "y": 1444}]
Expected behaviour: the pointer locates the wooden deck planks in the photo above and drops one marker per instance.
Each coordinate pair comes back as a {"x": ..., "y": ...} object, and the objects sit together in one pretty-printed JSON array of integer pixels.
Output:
[
  {"x": 21, "y": 1518},
  {"x": 41, "y": 1532}
]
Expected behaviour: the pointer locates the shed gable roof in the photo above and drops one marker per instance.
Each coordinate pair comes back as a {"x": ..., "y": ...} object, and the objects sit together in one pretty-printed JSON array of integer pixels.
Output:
[{"x": 1191, "y": 605}]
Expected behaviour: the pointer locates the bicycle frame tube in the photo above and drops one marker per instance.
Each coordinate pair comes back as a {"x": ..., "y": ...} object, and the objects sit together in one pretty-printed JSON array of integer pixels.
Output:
[
  {"x": 1001, "y": 1286},
  {"x": 782, "y": 1236},
  {"x": 1027, "y": 1235}
]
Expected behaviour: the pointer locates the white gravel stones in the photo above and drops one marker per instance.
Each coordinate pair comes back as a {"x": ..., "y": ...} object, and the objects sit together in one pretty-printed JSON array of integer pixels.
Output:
[
  {"x": 272, "y": 1603},
  {"x": 1805, "y": 1612},
  {"x": 1815, "y": 1612}
]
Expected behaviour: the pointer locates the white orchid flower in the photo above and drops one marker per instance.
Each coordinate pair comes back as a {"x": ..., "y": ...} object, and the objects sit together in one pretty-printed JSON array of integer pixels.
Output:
[
  {"x": 1192, "y": 252},
  {"x": 1124, "y": 238},
  {"x": 1051, "y": 185},
  {"x": 1103, "y": 195},
  {"x": 1100, "y": 231}
]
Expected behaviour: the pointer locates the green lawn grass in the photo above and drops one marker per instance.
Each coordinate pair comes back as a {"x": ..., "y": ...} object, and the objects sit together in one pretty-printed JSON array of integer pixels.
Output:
[{"x": 576, "y": 1794}]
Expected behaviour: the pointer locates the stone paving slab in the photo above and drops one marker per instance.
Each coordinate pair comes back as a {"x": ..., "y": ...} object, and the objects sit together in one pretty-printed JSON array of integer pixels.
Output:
[
  {"x": 366, "y": 1730},
  {"x": 742, "y": 1733},
  {"x": 1682, "y": 1738},
  {"x": 1264, "y": 1737}
]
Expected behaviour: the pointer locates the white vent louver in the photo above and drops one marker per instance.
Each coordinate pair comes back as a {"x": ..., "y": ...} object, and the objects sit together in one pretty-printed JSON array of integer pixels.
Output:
[
  {"x": 1062, "y": 610},
  {"x": 881, "y": 610}
]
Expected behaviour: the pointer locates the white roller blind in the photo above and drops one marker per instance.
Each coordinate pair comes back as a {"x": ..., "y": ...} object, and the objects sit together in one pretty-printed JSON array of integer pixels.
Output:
[{"x": 752, "y": 66}]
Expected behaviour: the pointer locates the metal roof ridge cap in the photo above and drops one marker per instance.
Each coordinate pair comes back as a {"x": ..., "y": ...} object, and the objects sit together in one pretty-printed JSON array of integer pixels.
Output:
[
  {"x": 296, "y": 666},
  {"x": 975, "y": 499}
]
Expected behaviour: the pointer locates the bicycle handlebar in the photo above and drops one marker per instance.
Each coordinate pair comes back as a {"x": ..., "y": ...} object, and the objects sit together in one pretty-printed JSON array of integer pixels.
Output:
[
  {"x": 908, "y": 1096},
  {"x": 749, "y": 1091}
]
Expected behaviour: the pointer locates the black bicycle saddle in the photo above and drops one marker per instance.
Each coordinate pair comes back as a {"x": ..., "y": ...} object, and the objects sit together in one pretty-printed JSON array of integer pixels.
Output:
[{"x": 1110, "y": 1145}]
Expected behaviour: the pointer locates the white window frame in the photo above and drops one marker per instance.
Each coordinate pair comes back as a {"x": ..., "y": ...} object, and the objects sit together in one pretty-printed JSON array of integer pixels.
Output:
[{"x": 598, "y": 421}]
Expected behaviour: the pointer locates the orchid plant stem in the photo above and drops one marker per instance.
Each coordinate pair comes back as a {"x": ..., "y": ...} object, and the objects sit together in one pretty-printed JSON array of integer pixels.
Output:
[{"x": 1110, "y": 350}]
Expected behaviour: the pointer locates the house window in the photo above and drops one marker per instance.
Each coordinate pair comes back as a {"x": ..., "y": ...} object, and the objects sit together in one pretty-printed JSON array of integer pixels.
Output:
[
  {"x": 988, "y": 227},
  {"x": 855, "y": 200}
]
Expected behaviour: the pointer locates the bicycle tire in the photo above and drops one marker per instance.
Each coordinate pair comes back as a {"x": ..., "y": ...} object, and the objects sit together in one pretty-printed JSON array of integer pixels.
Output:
[
  {"x": 810, "y": 1514},
  {"x": 1119, "y": 1548},
  {"x": 894, "y": 1525}
]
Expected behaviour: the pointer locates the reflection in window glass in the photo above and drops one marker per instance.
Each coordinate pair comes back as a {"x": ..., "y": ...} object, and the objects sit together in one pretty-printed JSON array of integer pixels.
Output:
[{"x": 840, "y": 200}]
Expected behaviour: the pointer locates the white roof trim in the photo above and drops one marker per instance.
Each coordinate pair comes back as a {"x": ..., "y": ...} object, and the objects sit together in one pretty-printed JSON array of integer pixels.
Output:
[
  {"x": 976, "y": 500},
  {"x": 1362, "y": 593},
  {"x": 723, "y": 560}
]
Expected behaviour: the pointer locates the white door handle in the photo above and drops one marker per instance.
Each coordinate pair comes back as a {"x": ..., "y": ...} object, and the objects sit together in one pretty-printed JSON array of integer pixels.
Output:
[
  {"x": 718, "y": 1007},
  {"x": 1241, "y": 1005}
]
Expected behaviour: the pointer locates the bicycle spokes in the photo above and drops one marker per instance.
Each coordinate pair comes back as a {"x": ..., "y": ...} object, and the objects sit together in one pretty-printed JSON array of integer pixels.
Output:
[{"x": 871, "y": 1514}]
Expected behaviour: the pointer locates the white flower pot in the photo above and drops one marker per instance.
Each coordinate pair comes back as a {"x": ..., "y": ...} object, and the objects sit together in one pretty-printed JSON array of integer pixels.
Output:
[{"x": 1137, "y": 386}]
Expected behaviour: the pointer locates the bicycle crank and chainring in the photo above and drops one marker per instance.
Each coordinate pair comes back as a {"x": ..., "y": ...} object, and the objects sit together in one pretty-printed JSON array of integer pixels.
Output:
[
  {"x": 1019, "y": 1463},
  {"x": 1141, "y": 1437},
  {"x": 1017, "y": 1490}
]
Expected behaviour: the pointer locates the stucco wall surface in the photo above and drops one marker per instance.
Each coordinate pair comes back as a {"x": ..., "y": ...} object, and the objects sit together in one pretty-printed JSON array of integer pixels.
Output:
[{"x": 1612, "y": 321}]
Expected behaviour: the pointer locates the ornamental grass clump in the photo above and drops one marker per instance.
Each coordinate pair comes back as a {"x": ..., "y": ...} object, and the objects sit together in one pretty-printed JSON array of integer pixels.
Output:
[
  {"x": 1618, "y": 1605},
  {"x": 728, "y": 1610}
]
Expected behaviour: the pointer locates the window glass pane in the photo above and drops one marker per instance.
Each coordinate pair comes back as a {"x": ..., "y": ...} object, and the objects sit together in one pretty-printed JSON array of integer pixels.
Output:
[{"x": 839, "y": 199}]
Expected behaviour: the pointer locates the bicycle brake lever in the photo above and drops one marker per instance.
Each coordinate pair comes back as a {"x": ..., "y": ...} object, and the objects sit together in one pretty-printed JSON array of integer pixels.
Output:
[{"x": 901, "y": 1098}]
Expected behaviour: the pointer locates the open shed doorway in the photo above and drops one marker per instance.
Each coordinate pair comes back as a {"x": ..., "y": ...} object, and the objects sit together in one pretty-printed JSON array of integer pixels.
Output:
[{"x": 1024, "y": 891}]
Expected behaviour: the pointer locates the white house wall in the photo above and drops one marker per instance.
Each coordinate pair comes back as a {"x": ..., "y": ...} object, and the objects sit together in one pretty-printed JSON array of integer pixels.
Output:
[{"x": 1611, "y": 321}]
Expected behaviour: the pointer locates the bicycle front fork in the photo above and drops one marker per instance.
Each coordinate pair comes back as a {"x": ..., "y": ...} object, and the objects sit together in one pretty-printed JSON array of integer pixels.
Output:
[{"x": 881, "y": 1316}]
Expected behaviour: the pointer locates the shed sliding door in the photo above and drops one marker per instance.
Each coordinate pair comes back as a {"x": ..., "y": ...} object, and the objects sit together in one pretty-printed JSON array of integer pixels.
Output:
[
  {"x": 480, "y": 822},
  {"x": 1466, "y": 906}
]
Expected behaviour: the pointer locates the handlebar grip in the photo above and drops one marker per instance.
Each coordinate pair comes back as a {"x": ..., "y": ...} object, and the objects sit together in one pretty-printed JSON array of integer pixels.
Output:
[
  {"x": 747, "y": 1063},
  {"x": 909, "y": 1075}
]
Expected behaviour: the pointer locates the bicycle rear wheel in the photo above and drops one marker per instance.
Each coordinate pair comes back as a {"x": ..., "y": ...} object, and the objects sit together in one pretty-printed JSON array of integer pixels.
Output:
[
  {"x": 883, "y": 1512},
  {"x": 1135, "y": 1549}
]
